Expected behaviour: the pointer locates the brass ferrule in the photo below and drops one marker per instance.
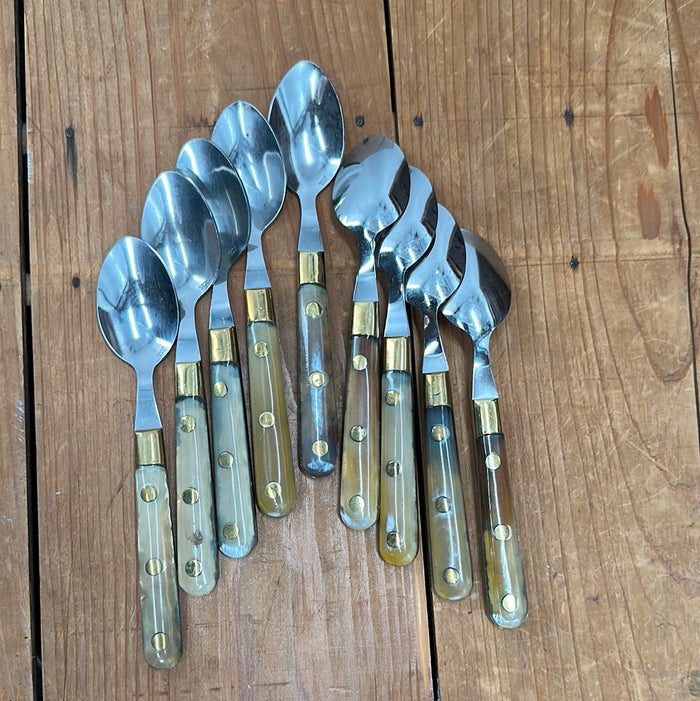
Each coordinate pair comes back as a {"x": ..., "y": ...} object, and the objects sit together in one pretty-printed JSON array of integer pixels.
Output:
[
  {"x": 364, "y": 319},
  {"x": 149, "y": 447},
  {"x": 259, "y": 304},
  {"x": 311, "y": 267},
  {"x": 222, "y": 346},
  {"x": 437, "y": 389},
  {"x": 397, "y": 354},
  {"x": 188, "y": 380},
  {"x": 487, "y": 418}
]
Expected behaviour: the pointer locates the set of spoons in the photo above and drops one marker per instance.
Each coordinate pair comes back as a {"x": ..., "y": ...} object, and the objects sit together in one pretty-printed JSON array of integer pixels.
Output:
[
  {"x": 197, "y": 220},
  {"x": 440, "y": 270}
]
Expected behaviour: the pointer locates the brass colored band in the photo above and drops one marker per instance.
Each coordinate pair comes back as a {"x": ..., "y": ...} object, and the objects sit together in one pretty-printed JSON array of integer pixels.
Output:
[
  {"x": 311, "y": 267},
  {"x": 437, "y": 389},
  {"x": 397, "y": 354},
  {"x": 149, "y": 447},
  {"x": 364, "y": 319},
  {"x": 222, "y": 346},
  {"x": 487, "y": 417},
  {"x": 259, "y": 304},
  {"x": 188, "y": 380}
]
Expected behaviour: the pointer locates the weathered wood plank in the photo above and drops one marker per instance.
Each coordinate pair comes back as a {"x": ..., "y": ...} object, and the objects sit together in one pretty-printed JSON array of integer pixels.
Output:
[
  {"x": 549, "y": 130},
  {"x": 114, "y": 90},
  {"x": 15, "y": 632}
]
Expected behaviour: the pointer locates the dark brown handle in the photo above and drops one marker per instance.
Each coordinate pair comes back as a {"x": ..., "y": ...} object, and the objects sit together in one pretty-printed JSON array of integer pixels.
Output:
[
  {"x": 359, "y": 471},
  {"x": 318, "y": 423},
  {"x": 505, "y": 581},
  {"x": 450, "y": 559}
]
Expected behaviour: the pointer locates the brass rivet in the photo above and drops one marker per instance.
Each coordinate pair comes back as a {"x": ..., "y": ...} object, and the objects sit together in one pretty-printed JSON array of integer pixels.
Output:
[
  {"x": 450, "y": 575},
  {"x": 266, "y": 419},
  {"x": 187, "y": 424},
  {"x": 319, "y": 448},
  {"x": 149, "y": 493},
  {"x": 225, "y": 459},
  {"x": 317, "y": 379},
  {"x": 438, "y": 433},
  {"x": 493, "y": 461},
  {"x": 154, "y": 566},
  {"x": 357, "y": 504},
  {"x": 392, "y": 397},
  {"x": 443, "y": 504},
  {"x": 230, "y": 531},
  {"x": 393, "y": 540},
  {"x": 393, "y": 468},
  {"x": 190, "y": 496},
  {"x": 220, "y": 389},
  {"x": 159, "y": 641},
  {"x": 509, "y": 603},
  {"x": 359, "y": 362},
  {"x": 273, "y": 490},
  {"x": 261, "y": 349},
  {"x": 502, "y": 532},
  {"x": 313, "y": 309},
  {"x": 193, "y": 568},
  {"x": 358, "y": 433}
]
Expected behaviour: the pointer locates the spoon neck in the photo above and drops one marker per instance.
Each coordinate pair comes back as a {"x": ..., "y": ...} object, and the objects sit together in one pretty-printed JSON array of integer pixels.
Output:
[
  {"x": 309, "y": 228},
  {"x": 483, "y": 384},
  {"x": 434, "y": 359},
  {"x": 187, "y": 347},
  {"x": 147, "y": 416}
]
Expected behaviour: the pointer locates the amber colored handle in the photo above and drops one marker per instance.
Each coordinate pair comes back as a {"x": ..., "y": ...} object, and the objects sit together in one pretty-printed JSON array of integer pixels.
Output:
[
  {"x": 160, "y": 608},
  {"x": 318, "y": 423},
  {"x": 235, "y": 510},
  {"x": 506, "y": 594},
  {"x": 398, "y": 508},
  {"x": 359, "y": 468},
  {"x": 197, "y": 555},
  {"x": 450, "y": 559},
  {"x": 273, "y": 466}
]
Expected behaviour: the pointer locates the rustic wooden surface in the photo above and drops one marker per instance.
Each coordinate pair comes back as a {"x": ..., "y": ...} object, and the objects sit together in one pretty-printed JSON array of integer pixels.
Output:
[{"x": 565, "y": 134}]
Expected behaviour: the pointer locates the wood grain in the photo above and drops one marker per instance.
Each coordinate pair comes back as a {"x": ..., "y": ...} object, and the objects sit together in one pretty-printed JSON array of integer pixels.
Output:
[
  {"x": 549, "y": 130},
  {"x": 15, "y": 632},
  {"x": 114, "y": 90}
]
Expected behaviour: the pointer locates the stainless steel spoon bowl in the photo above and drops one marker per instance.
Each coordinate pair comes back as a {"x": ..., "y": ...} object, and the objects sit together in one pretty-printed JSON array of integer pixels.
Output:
[
  {"x": 370, "y": 193},
  {"x": 137, "y": 313},
  {"x": 205, "y": 163},
  {"x": 306, "y": 117},
  {"x": 403, "y": 245},
  {"x": 245, "y": 136},
  {"x": 479, "y": 304},
  {"x": 178, "y": 224},
  {"x": 430, "y": 283}
]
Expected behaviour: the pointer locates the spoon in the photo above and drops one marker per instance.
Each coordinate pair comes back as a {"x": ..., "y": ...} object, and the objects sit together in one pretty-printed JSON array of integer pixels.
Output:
[
  {"x": 244, "y": 135},
  {"x": 211, "y": 171},
  {"x": 369, "y": 194},
  {"x": 178, "y": 224},
  {"x": 429, "y": 284},
  {"x": 405, "y": 243},
  {"x": 306, "y": 117},
  {"x": 480, "y": 303},
  {"x": 138, "y": 316}
]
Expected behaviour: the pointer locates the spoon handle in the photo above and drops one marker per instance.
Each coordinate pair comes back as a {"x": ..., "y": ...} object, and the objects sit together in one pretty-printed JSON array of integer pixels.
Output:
[
  {"x": 318, "y": 423},
  {"x": 398, "y": 508},
  {"x": 160, "y": 607},
  {"x": 450, "y": 559},
  {"x": 505, "y": 580},
  {"x": 359, "y": 467},
  {"x": 197, "y": 561},
  {"x": 272, "y": 449},
  {"x": 235, "y": 512}
]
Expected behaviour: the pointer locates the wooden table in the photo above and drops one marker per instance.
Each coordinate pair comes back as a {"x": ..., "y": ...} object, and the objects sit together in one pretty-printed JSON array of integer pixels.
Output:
[{"x": 565, "y": 133}]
